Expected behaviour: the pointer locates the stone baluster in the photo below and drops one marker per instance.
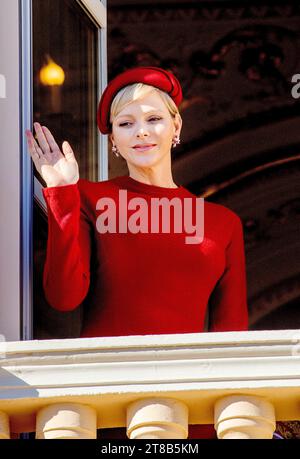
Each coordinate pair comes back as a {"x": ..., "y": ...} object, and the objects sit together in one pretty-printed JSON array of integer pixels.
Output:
[
  {"x": 66, "y": 421},
  {"x": 157, "y": 417},
  {"x": 4, "y": 426},
  {"x": 244, "y": 417}
]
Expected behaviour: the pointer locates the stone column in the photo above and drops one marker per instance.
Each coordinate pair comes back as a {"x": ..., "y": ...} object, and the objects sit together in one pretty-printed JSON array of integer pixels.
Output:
[
  {"x": 157, "y": 417},
  {"x": 4, "y": 426},
  {"x": 244, "y": 417},
  {"x": 66, "y": 421}
]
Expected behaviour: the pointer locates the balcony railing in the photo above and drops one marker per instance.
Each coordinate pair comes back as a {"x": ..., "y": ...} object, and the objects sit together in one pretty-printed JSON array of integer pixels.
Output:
[{"x": 154, "y": 385}]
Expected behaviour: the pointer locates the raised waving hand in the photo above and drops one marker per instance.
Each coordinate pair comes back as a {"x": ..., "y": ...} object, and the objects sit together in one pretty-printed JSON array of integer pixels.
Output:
[{"x": 55, "y": 166}]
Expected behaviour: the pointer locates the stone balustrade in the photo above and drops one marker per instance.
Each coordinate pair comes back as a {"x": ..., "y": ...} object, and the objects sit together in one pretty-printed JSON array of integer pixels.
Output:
[{"x": 154, "y": 385}]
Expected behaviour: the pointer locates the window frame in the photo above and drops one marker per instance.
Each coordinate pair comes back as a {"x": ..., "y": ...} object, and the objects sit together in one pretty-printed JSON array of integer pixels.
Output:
[{"x": 30, "y": 186}]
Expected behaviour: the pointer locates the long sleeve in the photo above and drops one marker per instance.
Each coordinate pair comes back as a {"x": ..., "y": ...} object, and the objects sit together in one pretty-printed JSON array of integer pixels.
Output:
[
  {"x": 228, "y": 309},
  {"x": 66, "y": 276}
]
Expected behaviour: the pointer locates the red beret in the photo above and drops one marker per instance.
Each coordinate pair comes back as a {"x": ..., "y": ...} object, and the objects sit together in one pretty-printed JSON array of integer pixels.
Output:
[{"x": 153, "y": 76}]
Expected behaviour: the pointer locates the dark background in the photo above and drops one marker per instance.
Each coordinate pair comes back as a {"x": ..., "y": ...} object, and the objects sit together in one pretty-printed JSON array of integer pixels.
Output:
[{"x": 241, "y": 128}]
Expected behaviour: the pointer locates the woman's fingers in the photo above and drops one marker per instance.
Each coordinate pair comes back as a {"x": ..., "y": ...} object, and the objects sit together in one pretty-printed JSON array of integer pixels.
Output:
[
  {"x": 34, "y": 149},
  {"x": 50, "y": 139},
  {"x": 68, "y": 152},
  {"x": 54, "y": 167},
  {"x": 41, "y": 138}
]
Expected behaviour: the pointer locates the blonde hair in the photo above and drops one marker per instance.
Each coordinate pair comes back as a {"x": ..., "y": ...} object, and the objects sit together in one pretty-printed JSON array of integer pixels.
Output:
[{"x": 136, "y": 91}]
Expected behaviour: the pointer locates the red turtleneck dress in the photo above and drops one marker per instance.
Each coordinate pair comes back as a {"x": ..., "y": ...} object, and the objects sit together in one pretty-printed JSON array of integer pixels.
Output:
[{"x": 143, "y": 283}]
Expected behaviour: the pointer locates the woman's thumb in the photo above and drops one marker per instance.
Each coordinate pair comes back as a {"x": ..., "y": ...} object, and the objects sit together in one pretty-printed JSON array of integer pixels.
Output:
[{"x": 68, "y": 152}]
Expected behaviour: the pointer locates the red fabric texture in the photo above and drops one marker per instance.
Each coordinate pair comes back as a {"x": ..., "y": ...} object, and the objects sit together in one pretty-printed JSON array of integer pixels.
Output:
[{"x": 144, "y": 283}]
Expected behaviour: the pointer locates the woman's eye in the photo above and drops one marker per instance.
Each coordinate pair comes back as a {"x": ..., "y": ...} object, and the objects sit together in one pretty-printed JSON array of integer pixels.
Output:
[{"x": 155, "y": 118}]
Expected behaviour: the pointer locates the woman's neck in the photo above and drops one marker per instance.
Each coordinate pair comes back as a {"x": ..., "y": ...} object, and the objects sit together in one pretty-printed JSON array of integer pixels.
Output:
[{"x": 163, "y": 180}]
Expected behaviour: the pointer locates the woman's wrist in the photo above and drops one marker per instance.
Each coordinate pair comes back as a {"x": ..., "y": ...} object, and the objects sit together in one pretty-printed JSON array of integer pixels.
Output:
[{"x": 60, "y": 183}]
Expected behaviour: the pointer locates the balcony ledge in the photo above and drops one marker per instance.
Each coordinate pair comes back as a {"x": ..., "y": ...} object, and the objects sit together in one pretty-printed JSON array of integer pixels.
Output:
[{"x": 108, "y": 373}]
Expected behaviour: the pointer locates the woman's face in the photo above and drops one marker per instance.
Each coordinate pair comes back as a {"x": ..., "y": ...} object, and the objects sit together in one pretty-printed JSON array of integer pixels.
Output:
[{"x": 147, "y": 123}]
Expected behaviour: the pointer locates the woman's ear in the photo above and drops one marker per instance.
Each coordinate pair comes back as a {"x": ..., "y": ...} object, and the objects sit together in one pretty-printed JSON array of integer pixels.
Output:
[{"x": 177, "y": 124}]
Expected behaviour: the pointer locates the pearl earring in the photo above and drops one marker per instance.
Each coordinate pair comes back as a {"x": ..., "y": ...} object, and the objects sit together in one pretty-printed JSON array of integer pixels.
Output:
[
  {"x": 176, "y": 141},
  {"x": 115, "y": 150}
]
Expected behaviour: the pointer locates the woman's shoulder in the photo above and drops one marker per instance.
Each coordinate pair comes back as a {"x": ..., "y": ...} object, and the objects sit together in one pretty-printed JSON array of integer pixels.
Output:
[
  {"x": 221, "y": 216},
  {"x": 222, "y": 221},
  {"x": 216, "y": 210},
  {"x": 86, "y": 186},
  {"x": 91, "y": 191}
]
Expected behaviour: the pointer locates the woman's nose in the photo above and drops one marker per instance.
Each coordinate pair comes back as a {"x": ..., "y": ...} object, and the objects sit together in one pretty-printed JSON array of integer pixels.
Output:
[
  {"x": 141, "y": 131},
  {"x": 141, "y": 134}
]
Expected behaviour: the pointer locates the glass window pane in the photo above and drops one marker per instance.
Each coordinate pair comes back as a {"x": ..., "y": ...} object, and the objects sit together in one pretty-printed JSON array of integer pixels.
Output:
[
  {"x": 65, "y": 97},
  {"x": 65, "y": 92}
]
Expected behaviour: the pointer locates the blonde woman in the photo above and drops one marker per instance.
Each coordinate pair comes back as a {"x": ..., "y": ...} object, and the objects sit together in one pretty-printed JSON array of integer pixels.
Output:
[{"x": 101, "y": 238}]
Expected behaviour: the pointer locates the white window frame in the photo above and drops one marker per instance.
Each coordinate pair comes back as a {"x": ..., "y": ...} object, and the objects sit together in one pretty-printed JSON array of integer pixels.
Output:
[{"x": 30, "y": 185}]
